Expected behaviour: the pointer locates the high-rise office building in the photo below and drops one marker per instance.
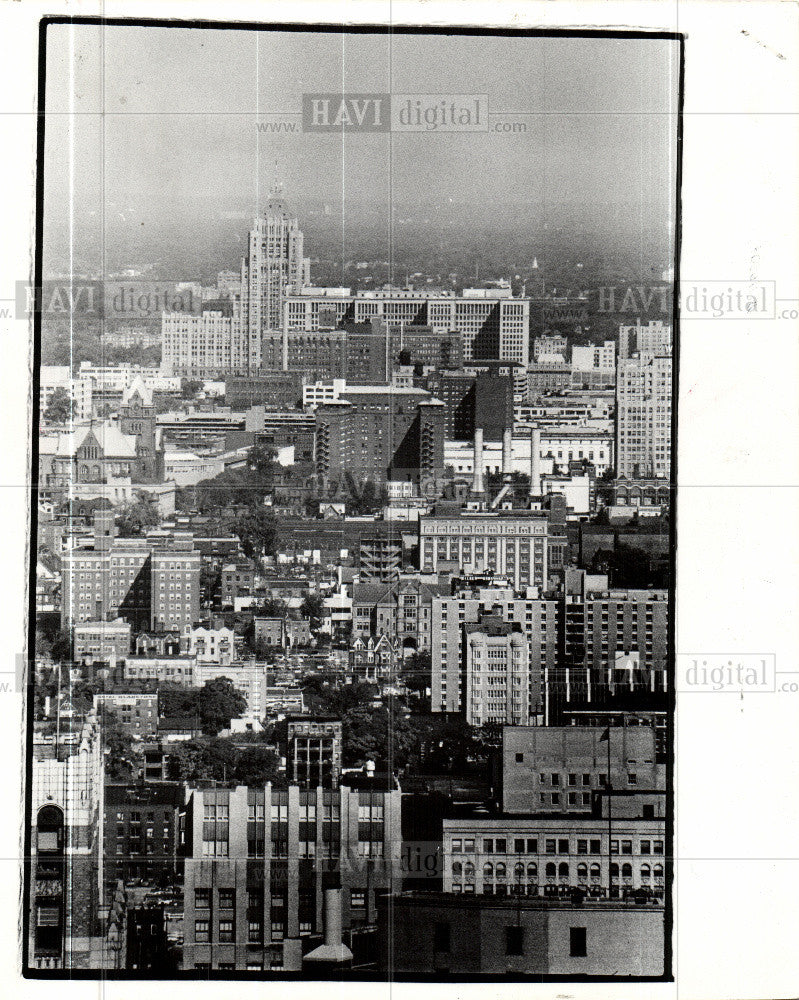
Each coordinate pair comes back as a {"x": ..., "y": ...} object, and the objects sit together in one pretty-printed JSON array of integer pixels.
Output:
[
  {"x": 204, "y": 345},
  {"x": 643, "y": 406},
  {"x": 273, "y": 267},
  {"x": 493, "y": 323}
]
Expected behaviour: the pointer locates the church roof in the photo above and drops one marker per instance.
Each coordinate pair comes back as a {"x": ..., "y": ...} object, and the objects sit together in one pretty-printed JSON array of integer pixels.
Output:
[
  {"x": 112, "y": 442},
  {"x": 137, "y": 387}
]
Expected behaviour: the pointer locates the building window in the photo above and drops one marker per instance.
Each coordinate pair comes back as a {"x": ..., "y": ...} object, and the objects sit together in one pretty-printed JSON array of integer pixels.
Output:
[
  {"x": 577, "y": 942},
  {"x": 254, "y": 934},
  {"x": 514, "y": 940},
  {"x": 441, "y": 937},
  {"x": 226, "y": 931},
  {"x": 202, "y": 899},
  {"x": 227, "y": 899},
  {"x": 201, "y": 934}
]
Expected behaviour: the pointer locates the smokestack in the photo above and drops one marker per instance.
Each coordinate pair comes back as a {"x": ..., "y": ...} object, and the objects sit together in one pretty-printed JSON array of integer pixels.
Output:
[
  {"x": 507, "y": 453},
  {"x": 535, "y": 462},
  {"x": 333, "y": 952},
  {"x": 477, "y": 481}
]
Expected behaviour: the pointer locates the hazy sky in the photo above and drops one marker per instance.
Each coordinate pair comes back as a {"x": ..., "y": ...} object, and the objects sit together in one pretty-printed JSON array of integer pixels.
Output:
[{"x": 151, "y": 116}]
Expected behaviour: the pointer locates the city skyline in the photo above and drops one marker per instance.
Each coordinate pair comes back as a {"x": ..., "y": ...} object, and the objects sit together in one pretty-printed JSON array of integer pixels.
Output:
[{"x": 353, "y": 617}]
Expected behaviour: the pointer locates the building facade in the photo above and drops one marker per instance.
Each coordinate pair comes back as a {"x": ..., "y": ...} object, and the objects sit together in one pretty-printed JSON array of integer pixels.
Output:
[
  {"x": 65, "y": 869},
  {"x": 491, "y": 322},
  {"x": 101, "y": 640},
  {"x": 380, "y": 434},
  {"x": 437, "y": 933},
  {"x": 257, "y": 862},
  {"x": 511, "y": 546},
  {"x": 497, "y": 673}
]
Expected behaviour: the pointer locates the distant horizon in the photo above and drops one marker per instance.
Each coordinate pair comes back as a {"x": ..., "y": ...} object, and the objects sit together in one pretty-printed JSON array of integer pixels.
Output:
[{"x": 161, "y": 121}]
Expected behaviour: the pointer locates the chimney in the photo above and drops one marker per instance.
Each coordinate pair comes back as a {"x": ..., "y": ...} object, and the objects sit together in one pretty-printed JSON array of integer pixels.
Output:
[
  {"x": 477, "y": 481},
  {"x": 333, "y": 952},
  {"x": 507, "y": 453},
  {"x": 535, "y": 462}
]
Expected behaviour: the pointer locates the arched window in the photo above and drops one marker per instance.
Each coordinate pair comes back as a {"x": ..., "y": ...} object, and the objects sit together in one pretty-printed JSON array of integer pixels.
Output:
[
  {"x": 468, "y": 871},
  {"x": 626, "y": 871},
  {"x": 658, "y": 870},
  {"x": 614, "y": 870},
  {"x": 563, "y": 870},
  {"x": 551, "y": 871},
  {"x": 582, "y": 872},
  {"x": 646, "y": 873},
  {"x": 595, "y": 872},
  {"x": 500, "y": 872},
  {"x": 457, "y": 869},
  {"x": 488, "y": 871},
  {"x": 518, "y": 870},
  {"x": 532, "y": 872}
]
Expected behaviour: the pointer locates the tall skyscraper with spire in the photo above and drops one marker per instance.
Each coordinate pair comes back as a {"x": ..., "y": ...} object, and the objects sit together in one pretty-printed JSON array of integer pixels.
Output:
[{"x": 273, "y": 267}]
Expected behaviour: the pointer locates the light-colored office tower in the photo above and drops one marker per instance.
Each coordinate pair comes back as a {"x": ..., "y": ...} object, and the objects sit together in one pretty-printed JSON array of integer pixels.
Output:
[
  {"x": 274, "y": 266},
  {"x": 643, "y": 416}
]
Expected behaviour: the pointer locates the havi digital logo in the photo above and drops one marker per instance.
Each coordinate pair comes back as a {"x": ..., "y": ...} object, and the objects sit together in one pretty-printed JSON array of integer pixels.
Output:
[{"x": 395, "y": 112}]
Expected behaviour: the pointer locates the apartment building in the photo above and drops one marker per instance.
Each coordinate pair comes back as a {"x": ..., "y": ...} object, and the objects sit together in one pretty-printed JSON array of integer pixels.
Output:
[
  {"x": 150, "y": 582},
  {"x": 588, "y": 645},
  {"x": 101, "y": 640}
]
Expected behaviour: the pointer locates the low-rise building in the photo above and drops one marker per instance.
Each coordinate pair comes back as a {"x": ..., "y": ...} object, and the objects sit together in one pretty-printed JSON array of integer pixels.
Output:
[
  {"x": 313, "y": 751},
  {"x": 546, "y": 768},
  {"x": 135, "y": 711},
  {"x": 553, "y": 855},
  {"x": 102, "y": 640},
  {"x": 141, "y": 830},
  {"x": 172, "y": 669},
  {"x": 211, "y": 645}
]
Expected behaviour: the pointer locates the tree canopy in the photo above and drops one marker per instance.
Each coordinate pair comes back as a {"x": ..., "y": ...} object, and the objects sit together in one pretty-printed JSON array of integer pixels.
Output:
[{"x": 214, "y": 704}]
